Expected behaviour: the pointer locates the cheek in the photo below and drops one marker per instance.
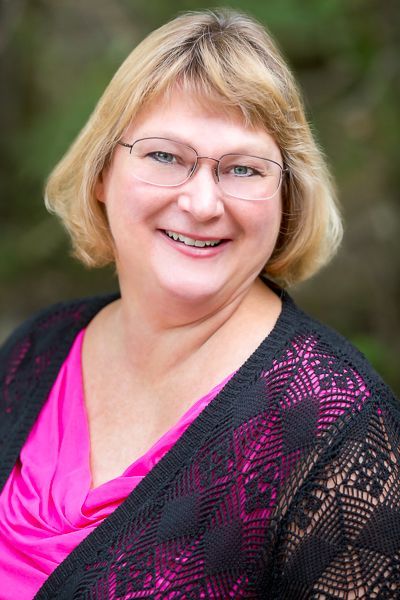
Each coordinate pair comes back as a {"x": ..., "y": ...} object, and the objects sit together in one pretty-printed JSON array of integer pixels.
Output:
[
  {"x": 123, "y": 200},
  {"x": 134, "y": 209},
  {"x": 263, "y": 223},
  {"x": 265, "y": 233}
]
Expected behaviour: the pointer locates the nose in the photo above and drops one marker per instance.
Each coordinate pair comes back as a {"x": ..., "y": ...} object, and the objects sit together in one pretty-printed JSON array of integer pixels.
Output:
[{"x": 201, "y": 194}]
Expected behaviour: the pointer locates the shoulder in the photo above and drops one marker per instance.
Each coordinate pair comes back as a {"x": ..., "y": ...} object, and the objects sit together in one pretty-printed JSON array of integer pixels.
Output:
[
  {"x": 319, "y": 381},
  {"x": 331, "y": 358},
  {"x": 30, "y": 361},
  {"x": 49, "y": 332}
]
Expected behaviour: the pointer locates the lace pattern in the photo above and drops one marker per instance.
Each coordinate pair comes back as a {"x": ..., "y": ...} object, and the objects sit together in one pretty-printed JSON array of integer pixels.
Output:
[{"x": 286, "y": 486}]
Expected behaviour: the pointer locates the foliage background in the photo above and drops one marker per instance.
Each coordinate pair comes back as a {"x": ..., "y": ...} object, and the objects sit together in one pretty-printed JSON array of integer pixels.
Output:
[{"x": 56, "y": 58}]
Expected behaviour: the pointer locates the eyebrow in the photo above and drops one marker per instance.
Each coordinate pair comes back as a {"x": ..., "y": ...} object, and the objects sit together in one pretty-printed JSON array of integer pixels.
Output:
[{"x": 249, "y": 148}]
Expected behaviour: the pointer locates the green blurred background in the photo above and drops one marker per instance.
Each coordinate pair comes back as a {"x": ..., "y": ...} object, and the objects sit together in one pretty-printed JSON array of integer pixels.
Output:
[{"x": 56, "y": 58}]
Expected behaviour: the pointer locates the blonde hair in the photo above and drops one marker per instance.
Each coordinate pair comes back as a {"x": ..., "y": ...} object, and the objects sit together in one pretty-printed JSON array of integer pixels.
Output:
[{"x": 229, "y": 57}]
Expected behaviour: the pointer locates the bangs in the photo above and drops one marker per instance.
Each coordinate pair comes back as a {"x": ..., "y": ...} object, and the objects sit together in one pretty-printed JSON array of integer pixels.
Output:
[{"x": 231, "y": 73}]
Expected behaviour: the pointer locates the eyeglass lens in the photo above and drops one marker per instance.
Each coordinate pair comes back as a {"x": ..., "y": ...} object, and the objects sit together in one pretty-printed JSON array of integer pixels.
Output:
[{"x": 165, "y": 162}]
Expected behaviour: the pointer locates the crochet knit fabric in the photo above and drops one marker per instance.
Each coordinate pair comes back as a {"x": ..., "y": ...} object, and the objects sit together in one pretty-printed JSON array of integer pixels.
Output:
[{"x": 285, "y": 487}]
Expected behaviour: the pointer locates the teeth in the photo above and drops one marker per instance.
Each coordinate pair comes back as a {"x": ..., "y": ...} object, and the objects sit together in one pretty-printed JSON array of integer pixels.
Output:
[{"x": 178, "y": 237}]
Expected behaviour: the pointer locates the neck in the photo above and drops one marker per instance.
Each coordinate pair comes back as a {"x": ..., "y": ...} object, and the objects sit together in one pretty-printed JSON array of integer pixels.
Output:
[{"x": 157, "y": 343}]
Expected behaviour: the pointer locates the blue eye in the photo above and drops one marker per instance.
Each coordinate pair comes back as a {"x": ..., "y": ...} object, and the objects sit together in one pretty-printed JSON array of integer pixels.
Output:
[
  {"x": 163, "y": 157},
  {"x": 244, "y": 171}
]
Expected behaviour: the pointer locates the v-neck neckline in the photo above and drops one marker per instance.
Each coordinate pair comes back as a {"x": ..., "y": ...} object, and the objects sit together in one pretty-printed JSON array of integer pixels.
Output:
[{"x": 204, "y": 425}]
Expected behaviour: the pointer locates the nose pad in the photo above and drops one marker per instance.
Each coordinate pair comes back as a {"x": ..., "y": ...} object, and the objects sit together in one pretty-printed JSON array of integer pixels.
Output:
[
  {"x": 193, "y": 170},
  {"x": 197, "y": 164}
]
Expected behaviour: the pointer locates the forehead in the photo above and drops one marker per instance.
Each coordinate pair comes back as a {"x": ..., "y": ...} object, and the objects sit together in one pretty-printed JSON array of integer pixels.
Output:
[
  {"x": 184, "y": 102},
  {"x": 203, "y": 121}
]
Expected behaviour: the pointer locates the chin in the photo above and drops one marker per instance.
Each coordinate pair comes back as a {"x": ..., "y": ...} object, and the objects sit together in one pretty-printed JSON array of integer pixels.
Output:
[
  {"x": 193, "y": 294},
  {"x": 192, "y": 291}
]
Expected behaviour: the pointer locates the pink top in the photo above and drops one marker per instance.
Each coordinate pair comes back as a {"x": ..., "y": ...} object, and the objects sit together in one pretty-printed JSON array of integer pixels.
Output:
[{"x": 47, "y": 506}]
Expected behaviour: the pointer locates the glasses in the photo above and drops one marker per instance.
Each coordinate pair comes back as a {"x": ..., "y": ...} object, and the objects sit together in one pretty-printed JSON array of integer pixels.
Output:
[{"x": 166, "y": 163}]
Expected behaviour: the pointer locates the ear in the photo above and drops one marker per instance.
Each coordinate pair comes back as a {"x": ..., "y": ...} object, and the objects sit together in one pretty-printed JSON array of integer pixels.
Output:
[{"x": 99, "y": 187}]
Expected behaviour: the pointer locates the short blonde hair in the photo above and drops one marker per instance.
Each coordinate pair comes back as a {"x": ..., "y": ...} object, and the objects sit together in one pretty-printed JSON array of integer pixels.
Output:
[{"x": 231, "y": 58}]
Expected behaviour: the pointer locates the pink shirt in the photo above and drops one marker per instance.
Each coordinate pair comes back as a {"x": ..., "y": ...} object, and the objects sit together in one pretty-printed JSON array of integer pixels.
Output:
[{"x": 47, "y": 506}]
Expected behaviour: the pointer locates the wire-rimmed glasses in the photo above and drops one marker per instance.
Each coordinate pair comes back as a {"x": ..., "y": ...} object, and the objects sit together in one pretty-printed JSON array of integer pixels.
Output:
[{"x": 168, "y": 163}]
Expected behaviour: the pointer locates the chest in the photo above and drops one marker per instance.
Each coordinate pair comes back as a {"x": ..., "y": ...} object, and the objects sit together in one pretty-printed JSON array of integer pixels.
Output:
[{"x": 126, "y": 421}]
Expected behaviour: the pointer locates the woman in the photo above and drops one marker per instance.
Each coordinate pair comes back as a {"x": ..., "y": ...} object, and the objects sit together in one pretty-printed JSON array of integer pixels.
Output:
[{"x": 197, "y": 436}]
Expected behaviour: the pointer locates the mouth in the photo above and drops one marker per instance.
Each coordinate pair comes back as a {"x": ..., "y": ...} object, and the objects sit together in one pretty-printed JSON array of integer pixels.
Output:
[{"x": 188, "y": 241}]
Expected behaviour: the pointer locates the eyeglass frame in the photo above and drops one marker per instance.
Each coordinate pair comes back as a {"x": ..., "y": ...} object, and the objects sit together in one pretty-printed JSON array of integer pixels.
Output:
[{"x": 284, "y": 169}]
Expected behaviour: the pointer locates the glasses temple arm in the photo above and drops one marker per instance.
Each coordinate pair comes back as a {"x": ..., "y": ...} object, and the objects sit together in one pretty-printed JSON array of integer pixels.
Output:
[{"x": 125, "y": 145}]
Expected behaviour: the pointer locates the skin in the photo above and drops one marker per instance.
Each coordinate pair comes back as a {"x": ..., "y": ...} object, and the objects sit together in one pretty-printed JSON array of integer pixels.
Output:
[{"x": 180, "y": 307}]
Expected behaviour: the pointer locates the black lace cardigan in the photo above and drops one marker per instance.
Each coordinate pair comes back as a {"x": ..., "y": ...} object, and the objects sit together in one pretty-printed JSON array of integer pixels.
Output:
[{"x": 285, "y": 487}]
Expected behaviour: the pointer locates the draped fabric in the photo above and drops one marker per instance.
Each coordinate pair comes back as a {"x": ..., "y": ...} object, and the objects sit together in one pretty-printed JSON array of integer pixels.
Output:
[
  {"x": 286, "y": 486},
  {"x": 48, "y": 505}
]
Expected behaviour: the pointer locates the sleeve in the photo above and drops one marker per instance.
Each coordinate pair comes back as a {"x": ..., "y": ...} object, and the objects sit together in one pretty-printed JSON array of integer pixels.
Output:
[{"x": 341, "y": 536}]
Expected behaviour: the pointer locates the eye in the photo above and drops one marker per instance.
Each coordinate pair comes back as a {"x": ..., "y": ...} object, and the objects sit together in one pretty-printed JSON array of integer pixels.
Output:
[
  {"x": 243, "y": 171},
  {"x": 163, "y": 157}
]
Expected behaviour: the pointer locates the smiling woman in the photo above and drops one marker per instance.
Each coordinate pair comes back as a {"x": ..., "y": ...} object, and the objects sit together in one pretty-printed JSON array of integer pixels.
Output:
[
  {"x": 238, "y": 70},
  {"x": 196, "y": 435},
  {"x": 222, "y": 242}
]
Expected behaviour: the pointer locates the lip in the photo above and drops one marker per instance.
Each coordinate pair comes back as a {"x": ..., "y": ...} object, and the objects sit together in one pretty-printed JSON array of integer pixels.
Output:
[
  {"x": 197, "y": 236},
  {"x": 195, "y": 251}
]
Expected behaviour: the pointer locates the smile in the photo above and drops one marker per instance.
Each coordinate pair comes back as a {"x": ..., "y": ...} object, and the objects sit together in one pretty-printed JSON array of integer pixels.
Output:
[{"x": 178, "y": 237}]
